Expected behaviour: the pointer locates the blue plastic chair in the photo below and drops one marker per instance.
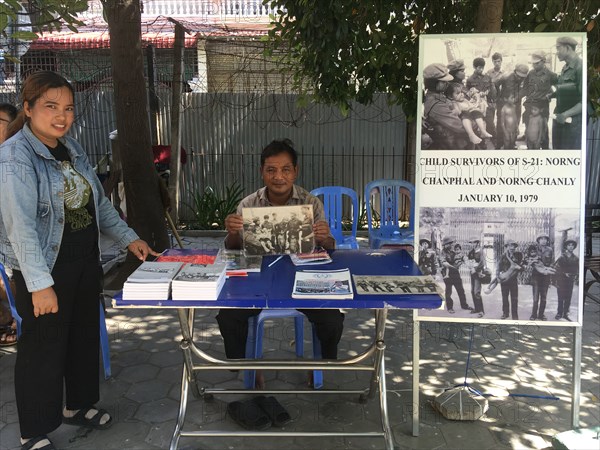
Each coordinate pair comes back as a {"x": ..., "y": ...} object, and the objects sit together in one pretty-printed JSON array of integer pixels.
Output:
[
  {"x": 254, "y": 343},
  {"x": 104, "y": 344},
  {"x": 333, "y": 200},
  {"x": 392, "y": 195}
]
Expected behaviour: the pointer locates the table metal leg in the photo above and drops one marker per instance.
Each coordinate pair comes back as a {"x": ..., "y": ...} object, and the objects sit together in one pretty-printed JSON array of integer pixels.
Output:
[
  {"x": 416, "y": 338},
  {"x": 186, "y": 320},
  {"x": 182, "y": 410},
  {"x": 385, "y": 421}
]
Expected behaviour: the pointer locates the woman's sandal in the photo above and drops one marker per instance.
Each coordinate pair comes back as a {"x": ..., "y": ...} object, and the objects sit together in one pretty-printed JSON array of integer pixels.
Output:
[
  {"x": 80, "y": 420},
  {"x": 8, "y": 336},
  {"x": 34, "y": 441}
]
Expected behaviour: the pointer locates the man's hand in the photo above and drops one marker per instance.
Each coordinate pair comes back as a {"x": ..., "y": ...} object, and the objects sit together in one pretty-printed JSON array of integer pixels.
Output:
[
  {"x": 44, "y": 302},
  {"x": 321, "y": 232},
  {"x": 234, "y": 223},
  {"x": 141, "y": 249}
]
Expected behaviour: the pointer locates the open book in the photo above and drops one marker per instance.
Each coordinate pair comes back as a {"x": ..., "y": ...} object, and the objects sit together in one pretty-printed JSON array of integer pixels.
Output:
[{"x": 323, "y": 284}]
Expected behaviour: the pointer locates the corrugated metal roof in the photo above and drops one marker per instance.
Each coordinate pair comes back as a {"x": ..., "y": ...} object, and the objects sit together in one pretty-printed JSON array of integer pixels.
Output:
[{"x": 158, "y": 31}]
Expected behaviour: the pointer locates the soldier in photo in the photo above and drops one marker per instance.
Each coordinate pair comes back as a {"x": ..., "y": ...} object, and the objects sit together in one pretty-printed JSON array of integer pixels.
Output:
[
  {"x": 567, "y": 269},
  {"x": 476, "y": 268},
  {"x": 541, "y": 276},
  {"x": 566, "y": 127},
  {"x": 362, "y": 283},
  {"x": 508, "y": 268},
  {"x": 452, "y": 277},
  {"x": 539, "y": 83}
]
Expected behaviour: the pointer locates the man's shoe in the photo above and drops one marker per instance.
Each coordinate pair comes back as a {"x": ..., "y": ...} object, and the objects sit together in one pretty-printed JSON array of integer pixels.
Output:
[
  {"x": 533, "y": 317},
  {"x": 557, "y": 317},
  {"x": 566, "y": 317},
  {"x": 450, "y": 310},
  {"x": 474, "y": 311},
  {"x": 467, "y": 308},
  {"x": 542, "y": 317},
  {"x": 504, "y": 316},
  {"x": 480, "y": 315}
]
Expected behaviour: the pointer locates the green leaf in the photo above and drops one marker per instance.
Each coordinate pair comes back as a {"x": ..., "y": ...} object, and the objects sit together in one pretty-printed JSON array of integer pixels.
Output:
[
  {"x": 25, "y": 35},
  {"x": 3, "y": 21},
  {"x": 541, "y": 27}
]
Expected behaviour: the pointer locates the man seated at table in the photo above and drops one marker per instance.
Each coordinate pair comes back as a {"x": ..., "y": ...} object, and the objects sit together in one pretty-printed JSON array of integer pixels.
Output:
[{"x": 279, "y": 170}]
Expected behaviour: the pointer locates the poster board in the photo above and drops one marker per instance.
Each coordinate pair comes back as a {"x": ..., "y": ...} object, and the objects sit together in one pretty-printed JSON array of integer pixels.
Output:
[{"x": 510, "y": 206}]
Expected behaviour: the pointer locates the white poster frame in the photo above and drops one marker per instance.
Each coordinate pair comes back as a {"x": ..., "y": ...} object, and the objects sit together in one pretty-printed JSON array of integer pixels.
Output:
[{"x": 522, "y": 46}]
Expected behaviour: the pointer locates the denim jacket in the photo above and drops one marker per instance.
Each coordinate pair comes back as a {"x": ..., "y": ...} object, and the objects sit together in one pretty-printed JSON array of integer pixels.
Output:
[{"x": 32, "y": 212}]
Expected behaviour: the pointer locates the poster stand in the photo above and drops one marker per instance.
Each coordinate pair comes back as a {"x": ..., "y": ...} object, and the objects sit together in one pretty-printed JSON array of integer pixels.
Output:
[{"x": 497, "y": 206}]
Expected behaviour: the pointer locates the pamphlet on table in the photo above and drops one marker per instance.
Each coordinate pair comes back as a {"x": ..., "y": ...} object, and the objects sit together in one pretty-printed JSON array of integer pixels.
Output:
[
  {"x": 199, "y": 281},
  {"x": 323, "y": 284},
  {"x": 395, "y": 285},
  {"x": 151, "y": 281}
]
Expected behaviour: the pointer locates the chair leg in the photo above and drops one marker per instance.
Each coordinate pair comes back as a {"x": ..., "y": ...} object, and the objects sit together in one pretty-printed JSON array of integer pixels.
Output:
[
  {"x": 104, "y": 344},
  {"x": 317, "y": 374},
  {"x": 299, "y": 335},
  {"x": 250, "y": 375}
]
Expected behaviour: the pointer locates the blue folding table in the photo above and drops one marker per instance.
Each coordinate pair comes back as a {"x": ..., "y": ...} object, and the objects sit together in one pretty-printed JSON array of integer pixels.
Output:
[{"x": 272, "y": 288}]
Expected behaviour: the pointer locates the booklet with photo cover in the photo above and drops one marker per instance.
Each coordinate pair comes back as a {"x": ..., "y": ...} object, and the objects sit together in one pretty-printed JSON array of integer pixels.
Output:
[
  {"x": 396, "y": 285},
  {"x": 323, "y": 284},
  {"x": 151, "y": 281},
  {"x": 277, "y": 230}
]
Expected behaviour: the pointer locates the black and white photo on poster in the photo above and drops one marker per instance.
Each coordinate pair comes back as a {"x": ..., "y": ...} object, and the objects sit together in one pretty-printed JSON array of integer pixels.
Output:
[
  {"x": 503, "y": 264},
  {"x": 277, "y": 230},
  {"x": 501, "y": 91}
]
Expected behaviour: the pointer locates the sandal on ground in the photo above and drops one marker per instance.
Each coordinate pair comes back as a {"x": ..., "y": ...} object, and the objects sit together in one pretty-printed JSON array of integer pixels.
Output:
[
  {"x": 34, "y": 441},
  {"x": 249, "y": 415},
  {"x": 80, "y": 420},
  {"x": 276, "y": 412},
  {"x": 8, "y": 337}
]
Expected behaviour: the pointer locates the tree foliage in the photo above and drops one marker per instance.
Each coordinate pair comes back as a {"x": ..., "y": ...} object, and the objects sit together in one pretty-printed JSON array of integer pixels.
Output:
[
  {"x": 343, "y": 51},
  {"x": 49, "y": 15}
]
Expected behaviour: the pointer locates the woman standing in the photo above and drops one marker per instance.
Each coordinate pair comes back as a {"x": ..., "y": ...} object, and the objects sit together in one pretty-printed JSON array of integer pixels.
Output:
[{"x": 52, "y": 209}]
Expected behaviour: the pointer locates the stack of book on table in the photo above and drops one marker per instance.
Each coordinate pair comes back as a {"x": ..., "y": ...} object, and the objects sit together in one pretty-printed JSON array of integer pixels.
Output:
[
  {"x": 323, "y": 284},
  {"x": 199, "y": 281},
  {"x": 151, "y": 281}
]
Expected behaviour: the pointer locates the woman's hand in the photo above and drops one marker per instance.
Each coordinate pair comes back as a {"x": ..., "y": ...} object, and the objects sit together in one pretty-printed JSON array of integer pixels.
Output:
[
  {"x": 141, "y": 249},
  {"x": 44, "y": 302}
]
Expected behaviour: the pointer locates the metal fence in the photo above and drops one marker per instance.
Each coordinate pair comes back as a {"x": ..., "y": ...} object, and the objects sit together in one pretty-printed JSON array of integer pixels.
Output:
[{"x": 224, "y": 133}]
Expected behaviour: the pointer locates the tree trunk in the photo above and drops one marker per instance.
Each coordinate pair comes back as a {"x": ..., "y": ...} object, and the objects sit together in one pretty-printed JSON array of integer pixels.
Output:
[
  {"x": 489, "y": 16},
  {"x": 145, "y": 211}
]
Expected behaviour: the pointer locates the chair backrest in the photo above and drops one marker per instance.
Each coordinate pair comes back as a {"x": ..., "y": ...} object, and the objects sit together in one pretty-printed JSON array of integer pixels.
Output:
[
  {"x": 333, "y": 201},
  {"x": 392, "y": 197},
  {"x": 11, "y": 298}
]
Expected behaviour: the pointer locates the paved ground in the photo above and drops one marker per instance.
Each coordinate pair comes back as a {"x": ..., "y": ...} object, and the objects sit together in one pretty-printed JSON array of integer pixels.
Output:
[{"x": 530, "y": 361}]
